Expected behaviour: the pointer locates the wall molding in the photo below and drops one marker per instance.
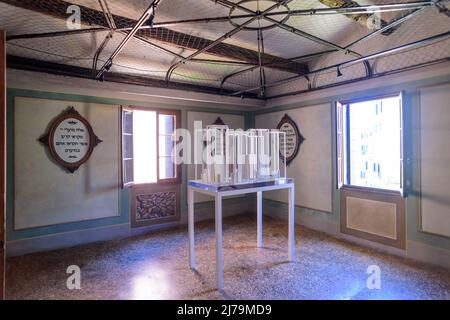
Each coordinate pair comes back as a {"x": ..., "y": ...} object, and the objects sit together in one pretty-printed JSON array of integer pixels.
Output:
[
  {"x": 29, "y": 80},
  {"x": 415, "y": 250},
  {"x": 430, "y": 75},
  {"x": 428, "y": 254},
  {"x": 203, "y": 211}
]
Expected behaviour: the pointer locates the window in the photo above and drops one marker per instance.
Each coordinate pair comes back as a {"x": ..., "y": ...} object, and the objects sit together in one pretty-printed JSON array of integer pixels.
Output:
[
  {"x": 369, "y": 143},
  {"x": 148, "y": 140}
]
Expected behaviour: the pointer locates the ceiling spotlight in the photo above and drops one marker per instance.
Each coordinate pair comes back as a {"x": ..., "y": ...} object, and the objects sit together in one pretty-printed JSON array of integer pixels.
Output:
[
  {"x": 108, "y": 67},
  {"x": 339, "y": 73},
  {"x": 150, "y": 21}
]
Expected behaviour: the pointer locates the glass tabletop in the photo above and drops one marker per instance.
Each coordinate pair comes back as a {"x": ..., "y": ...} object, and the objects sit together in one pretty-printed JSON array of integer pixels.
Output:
[{"x": 215, "y": 187}]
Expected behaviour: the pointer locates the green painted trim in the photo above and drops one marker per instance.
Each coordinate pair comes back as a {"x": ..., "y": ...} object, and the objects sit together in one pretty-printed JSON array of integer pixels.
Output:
[
  {"x": 330, "y": 216},
  {"x": 249, "y": 120},
  {"x": 112, "y": 101},
  {"x": 409, "y": 89},
  {"x": 124, "y": 216},
  {"x": 335, "y": 197}
]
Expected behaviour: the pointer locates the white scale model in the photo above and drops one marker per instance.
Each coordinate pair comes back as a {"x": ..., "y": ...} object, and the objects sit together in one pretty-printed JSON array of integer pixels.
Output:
[
  {"x": 236, "y": 162},
  {"x": 236, "y": 156}
]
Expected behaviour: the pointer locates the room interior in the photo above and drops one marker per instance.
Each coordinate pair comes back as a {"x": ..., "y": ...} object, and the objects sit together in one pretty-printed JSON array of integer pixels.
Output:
[{"x": 358, "y": 91}]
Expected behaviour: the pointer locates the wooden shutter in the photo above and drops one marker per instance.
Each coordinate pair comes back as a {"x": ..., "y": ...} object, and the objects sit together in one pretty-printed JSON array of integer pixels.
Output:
[
  {"x": 340, "y": 145},
  {"x": 402, "y": 149},
  {"x": 127, "y": 148},
  {"x": 168, "y": 171}
]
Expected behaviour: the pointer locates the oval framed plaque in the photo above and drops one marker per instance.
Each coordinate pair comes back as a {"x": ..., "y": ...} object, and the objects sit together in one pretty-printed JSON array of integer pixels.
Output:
[
  {"x": 70, "y": 140},
  {"x": 294, "y": 139}
]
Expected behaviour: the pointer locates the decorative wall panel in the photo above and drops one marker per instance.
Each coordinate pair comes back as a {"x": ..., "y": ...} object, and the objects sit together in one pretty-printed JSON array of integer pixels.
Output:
[
  {"x": 434, "y": 133},
  {"x": 371, "y": 216},
  {"x": 374, "y": 215},
  {"x": 155, "y": 204}
]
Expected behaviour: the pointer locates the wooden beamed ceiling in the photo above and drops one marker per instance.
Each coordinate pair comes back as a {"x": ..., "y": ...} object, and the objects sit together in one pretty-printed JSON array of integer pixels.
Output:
[
  {"x": 16, "y": 62},
  {"x": 92, "y": 17}
]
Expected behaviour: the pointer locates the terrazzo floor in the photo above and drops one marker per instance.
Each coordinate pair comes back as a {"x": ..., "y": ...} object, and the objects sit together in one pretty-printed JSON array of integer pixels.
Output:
[{"x": 155, "y": 266}]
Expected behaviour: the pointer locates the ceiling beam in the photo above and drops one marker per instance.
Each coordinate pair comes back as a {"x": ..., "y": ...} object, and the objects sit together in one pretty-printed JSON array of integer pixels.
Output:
[
  {"x": 96, "y": 18},
  {"x": 21, "y": 63}
]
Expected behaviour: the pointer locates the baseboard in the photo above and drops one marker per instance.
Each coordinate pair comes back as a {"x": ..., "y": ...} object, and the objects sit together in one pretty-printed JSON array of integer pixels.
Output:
[
  {"x": 428, "y": 254},
  {"x": 203, "y": 211},
  {"x": 330, "y": 227},
  {"x": 66, "y": 239},
  {"x": 415, "y": 250}
]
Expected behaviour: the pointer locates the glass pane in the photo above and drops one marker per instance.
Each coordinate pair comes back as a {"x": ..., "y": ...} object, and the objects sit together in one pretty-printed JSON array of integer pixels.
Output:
[
  {"x": 127, "y": 124},
  {"x": 127, "y": 146},
  {"x": 166, "y": 124},
  {"x": 166, "y": 168},
  {"x": 127, "y": 171},
  {"x": 375, "y": 143},
  {"x": 144, "y": 146},
  {"x": 165, "y": 146}
]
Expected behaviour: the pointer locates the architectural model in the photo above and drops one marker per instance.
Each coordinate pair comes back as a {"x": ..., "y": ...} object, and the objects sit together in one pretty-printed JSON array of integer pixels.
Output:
[{"x": 231, "y": 156}]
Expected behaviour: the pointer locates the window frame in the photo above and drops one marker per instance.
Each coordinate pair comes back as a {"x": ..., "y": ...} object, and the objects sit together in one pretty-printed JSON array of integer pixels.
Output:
[
  {"x": 177, "y": 125},
  {"x": 342, "y": 123}
]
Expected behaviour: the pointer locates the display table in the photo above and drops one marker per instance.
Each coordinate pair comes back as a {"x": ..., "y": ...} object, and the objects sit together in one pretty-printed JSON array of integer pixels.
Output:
[{"x": 220, "y": 191}]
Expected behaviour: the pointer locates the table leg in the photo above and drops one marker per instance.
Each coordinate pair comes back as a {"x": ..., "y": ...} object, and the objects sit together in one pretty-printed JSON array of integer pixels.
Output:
[
  {"x": 291, "y": 225},
  {"x": 191, "y": 228},
  {"x": 219, "y": 270},
  {"x": 259, "y": 218}
]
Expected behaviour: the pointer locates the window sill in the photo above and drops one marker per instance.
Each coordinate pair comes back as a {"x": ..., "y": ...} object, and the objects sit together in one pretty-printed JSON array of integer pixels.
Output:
[{"x": 371, "y": 190}]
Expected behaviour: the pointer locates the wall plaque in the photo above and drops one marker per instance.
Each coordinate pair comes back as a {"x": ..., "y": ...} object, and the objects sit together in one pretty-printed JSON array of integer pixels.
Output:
[
  {"x": 294, "y": 138},
  {"x": 70, "y": 140}
]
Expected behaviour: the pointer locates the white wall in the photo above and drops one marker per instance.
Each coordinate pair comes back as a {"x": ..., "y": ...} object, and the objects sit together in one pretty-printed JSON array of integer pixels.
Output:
[{"x": 312, "y": 167}]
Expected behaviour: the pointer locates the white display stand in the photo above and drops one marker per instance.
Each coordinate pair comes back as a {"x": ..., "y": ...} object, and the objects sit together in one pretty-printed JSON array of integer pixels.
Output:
[{"x": 218, "y": 192}]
